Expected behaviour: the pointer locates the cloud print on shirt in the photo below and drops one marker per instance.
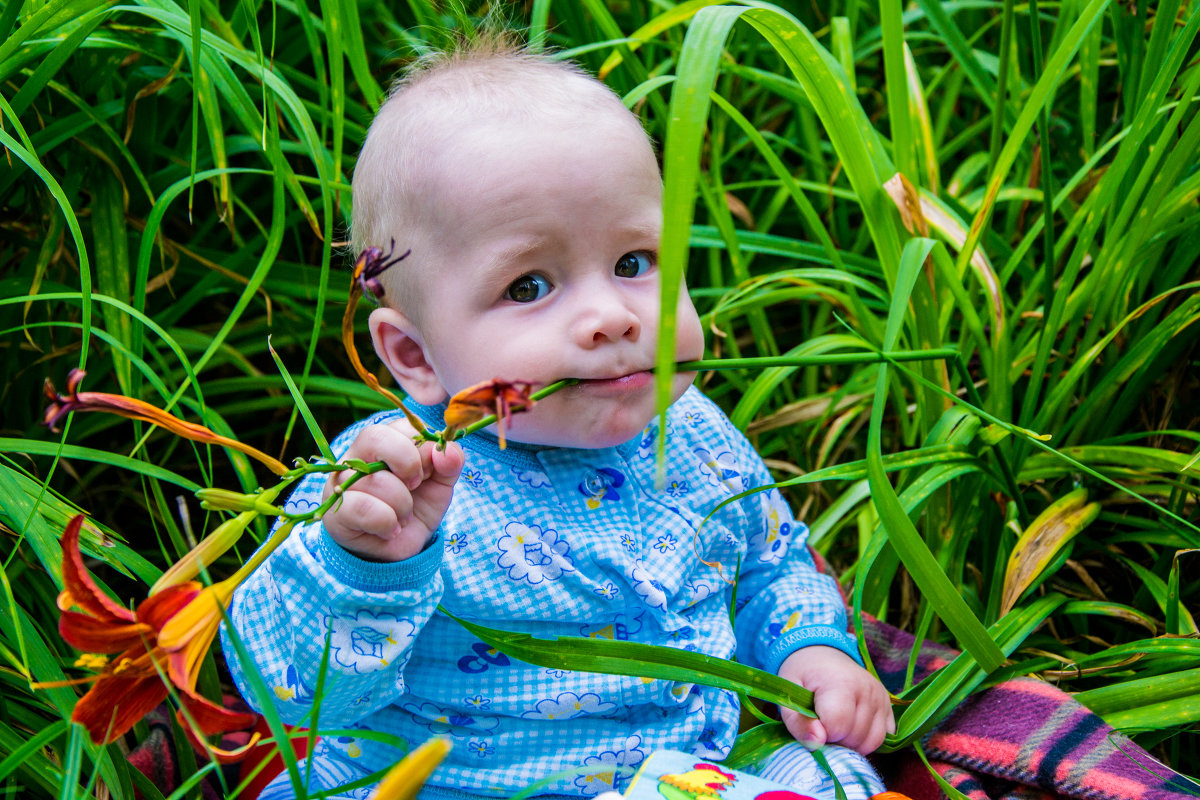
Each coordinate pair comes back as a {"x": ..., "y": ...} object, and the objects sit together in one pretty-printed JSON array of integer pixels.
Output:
[
  {"x": 647, "y": 588},
  {"x": 599, "y": 779},
  {"x": 532, "y": 554},
  {"x": 569, "y": 705},
  {"x": 441, "y": 721}
]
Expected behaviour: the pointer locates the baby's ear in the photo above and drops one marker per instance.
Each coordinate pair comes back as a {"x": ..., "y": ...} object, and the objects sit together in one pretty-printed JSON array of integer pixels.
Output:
[{"x": 398, "y": 344}]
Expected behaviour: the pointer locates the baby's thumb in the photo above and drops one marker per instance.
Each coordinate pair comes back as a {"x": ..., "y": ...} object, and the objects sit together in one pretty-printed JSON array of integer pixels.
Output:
[
  {"x": 448, "y": 464},
  {"x": 808, "y": 731}
]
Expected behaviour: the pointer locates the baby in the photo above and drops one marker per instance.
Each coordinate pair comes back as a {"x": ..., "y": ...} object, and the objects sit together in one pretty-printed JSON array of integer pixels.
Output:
[{"x": 530, "y": 198}]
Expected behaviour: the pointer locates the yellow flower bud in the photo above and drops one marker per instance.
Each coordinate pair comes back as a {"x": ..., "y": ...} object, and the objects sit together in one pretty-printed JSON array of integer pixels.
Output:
[
  {"x": 225, "y": 500},
  {"x": 404, "y": 780},
  {"x": 209, "y": 549}
]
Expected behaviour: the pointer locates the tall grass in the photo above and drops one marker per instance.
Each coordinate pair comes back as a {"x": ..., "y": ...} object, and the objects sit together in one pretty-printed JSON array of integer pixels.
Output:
[{"x": 175, "y": 190}]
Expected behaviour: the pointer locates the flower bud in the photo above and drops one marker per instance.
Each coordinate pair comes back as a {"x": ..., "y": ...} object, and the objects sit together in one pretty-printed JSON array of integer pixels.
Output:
[
  {"x": 404, "y": 780},
  {"x": 225, "y": 500},
  {"x": 209, "y": 549}
]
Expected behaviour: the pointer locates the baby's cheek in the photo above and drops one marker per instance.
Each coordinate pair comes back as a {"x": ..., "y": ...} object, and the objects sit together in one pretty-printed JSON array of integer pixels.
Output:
[{"x": 689, "y": 335}]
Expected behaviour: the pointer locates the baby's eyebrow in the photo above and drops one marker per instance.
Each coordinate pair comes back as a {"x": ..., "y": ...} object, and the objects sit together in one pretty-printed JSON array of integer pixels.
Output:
[
  {"x": 500, "y": 266},
  {"x": 640, "y": 235},
  {"x": 518, "y": 251}
]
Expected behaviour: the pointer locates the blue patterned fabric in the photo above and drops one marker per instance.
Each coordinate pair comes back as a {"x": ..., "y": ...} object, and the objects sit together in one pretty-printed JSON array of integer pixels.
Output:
[
  {"x": 551, "y": 542},
  {"x": 793, "y": 765}
]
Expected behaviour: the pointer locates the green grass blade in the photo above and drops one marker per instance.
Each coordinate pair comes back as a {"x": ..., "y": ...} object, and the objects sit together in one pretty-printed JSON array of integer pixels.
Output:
[
  {"x": 896, "y": 83},
  {"x": 64, "y": 204},
  {"x": 298, "y": 398},
  {"x": 942, "y": 594},
  {"x": 643, "y": 660}
]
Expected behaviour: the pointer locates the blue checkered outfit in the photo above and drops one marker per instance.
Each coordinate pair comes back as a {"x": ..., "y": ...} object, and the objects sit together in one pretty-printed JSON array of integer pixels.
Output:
[{"x": 552, "y": 542}]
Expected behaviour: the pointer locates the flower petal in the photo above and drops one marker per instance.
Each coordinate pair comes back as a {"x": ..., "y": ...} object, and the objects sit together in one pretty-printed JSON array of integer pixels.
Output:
[
  {"x": 188, "y": 635},
  {"x": 197, "y": 617},
  {"x": 160, "y": 606},
  {"x": 217, "y": 754},
  {"x": 74, "y": 378},
  {"x": 91, "y": 635},
  {"x": 502, "y": 398},
  {"x": 133, "y": 408},
  {"x": 211, "y": 718},
  {"x": 80, "y": 587},
  {"x": 113, "y": 704}
]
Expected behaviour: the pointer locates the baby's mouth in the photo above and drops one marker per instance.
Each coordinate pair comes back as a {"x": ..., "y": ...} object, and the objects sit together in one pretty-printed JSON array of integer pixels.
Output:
[
  {"x": 620, "y": 383},
  {"x": 627, "y": 380}
]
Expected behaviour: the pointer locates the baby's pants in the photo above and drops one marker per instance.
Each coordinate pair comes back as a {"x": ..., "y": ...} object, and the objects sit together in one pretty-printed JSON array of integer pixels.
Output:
[
  {"x": 330, "y": 770},
  {"x": 792, "y": 765}
]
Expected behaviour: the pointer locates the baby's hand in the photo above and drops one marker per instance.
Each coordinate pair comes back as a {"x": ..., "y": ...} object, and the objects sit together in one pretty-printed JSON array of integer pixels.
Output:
[
  {"x": 853, "y": 707},
  {"x": 391, "y": 515}
]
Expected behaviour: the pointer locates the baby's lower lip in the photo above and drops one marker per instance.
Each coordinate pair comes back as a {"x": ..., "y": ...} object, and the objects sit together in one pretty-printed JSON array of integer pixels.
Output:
[{"x": 623, "y": 383}]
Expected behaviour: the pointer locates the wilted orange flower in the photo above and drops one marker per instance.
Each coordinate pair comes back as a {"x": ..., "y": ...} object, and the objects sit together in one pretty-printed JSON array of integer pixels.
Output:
[
  {"x": 373, "y": 262},
  {"x": 501, "y": 398},
  {"x": 134, "y": 682},
  {"x": 75, "y": 400},
  {"x": 369, "y": 265}
]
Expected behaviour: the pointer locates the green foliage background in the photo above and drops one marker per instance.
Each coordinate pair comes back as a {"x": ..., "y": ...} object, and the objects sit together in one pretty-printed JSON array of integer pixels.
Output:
[{"x": 175, "y": 190}]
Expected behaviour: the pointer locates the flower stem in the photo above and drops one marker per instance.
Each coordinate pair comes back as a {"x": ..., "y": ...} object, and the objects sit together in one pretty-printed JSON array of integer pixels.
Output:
[
  {"x": 818, "y": 360},
  {"x": 273, "y": 541}
]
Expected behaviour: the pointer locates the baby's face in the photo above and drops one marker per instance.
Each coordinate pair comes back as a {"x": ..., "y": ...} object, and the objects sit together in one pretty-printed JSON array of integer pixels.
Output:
[{"x": 543, "y": 265}]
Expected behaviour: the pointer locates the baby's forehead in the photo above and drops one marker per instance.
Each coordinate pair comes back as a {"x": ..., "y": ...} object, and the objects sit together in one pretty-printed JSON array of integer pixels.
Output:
[{"x": 478, "y": 92}]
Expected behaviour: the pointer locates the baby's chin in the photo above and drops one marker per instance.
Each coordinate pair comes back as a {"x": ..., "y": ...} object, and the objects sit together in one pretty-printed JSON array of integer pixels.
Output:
[
  {"x": 577, "y": 437},
  {"x": 611, "y": 424}
]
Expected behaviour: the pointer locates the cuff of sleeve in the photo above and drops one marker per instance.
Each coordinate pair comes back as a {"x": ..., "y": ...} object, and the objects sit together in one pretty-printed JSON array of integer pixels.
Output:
[
  {"x": 372, "y": 576},
  {"x": 808, "y": 636}
]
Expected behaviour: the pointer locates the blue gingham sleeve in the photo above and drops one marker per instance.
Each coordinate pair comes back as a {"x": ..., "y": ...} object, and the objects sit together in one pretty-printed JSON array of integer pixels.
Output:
[
  {"x": 784, "y": 602},
  {"x": 310, "y": 599}
]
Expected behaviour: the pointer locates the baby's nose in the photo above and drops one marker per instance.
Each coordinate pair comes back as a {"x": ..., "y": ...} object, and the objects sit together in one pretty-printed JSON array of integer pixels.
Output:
[{"x": 606, "y": 319}]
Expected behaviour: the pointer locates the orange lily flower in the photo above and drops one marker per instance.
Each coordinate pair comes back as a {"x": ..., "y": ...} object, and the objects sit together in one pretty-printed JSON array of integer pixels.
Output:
[
  {"x": 502, "y": 398},
  {"x": 75, "y": 400},
  {"x": 135, "y": 682}
]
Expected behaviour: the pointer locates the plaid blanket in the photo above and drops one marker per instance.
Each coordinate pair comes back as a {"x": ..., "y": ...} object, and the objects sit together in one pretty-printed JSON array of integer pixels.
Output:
[{"x": 1019, "y": 740}]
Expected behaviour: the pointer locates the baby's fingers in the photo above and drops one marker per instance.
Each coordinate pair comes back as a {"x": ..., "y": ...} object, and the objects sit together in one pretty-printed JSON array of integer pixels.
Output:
[
  {"x": 446, "y": 464},
  {"x": 358, "y": 514},
  {"x": 432, "y": 497},
  {"x": 857, "y": 717},
  {"x": 391, "y": 445},
  {"x": 807, "y": 730},
  {"x": 393, "y": 506}
]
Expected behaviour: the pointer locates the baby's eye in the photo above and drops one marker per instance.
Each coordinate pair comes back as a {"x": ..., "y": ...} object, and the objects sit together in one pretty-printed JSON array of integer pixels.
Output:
[
  {"x": 631, "y": 265},
  {"x": 528, "y": 288}
]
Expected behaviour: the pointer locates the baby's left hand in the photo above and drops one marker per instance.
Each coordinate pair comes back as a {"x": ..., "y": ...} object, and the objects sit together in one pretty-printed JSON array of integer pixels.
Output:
[{"x": 853, "y": 707}]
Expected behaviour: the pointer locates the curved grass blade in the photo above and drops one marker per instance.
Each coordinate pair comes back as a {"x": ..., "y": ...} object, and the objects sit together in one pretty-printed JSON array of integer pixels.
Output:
[
  {"x": 314, "y": 428},
  {"x": 941, "y": 593},
  {"x": 643, "y": 660}
]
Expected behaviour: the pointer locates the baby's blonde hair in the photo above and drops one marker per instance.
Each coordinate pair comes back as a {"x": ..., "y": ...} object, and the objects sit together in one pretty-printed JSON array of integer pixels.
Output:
[{"x": 491, "y": 76}]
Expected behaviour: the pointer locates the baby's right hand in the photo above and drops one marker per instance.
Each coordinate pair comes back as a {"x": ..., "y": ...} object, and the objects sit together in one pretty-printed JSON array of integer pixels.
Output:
[{"x": 391, "y": 515}]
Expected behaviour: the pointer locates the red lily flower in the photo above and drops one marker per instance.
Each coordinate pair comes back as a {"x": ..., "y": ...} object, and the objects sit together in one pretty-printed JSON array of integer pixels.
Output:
[
  {"x": 134, "y": 682},
  {"x": 502, "y": 398},
  {"x": 75, "y": 400}
]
